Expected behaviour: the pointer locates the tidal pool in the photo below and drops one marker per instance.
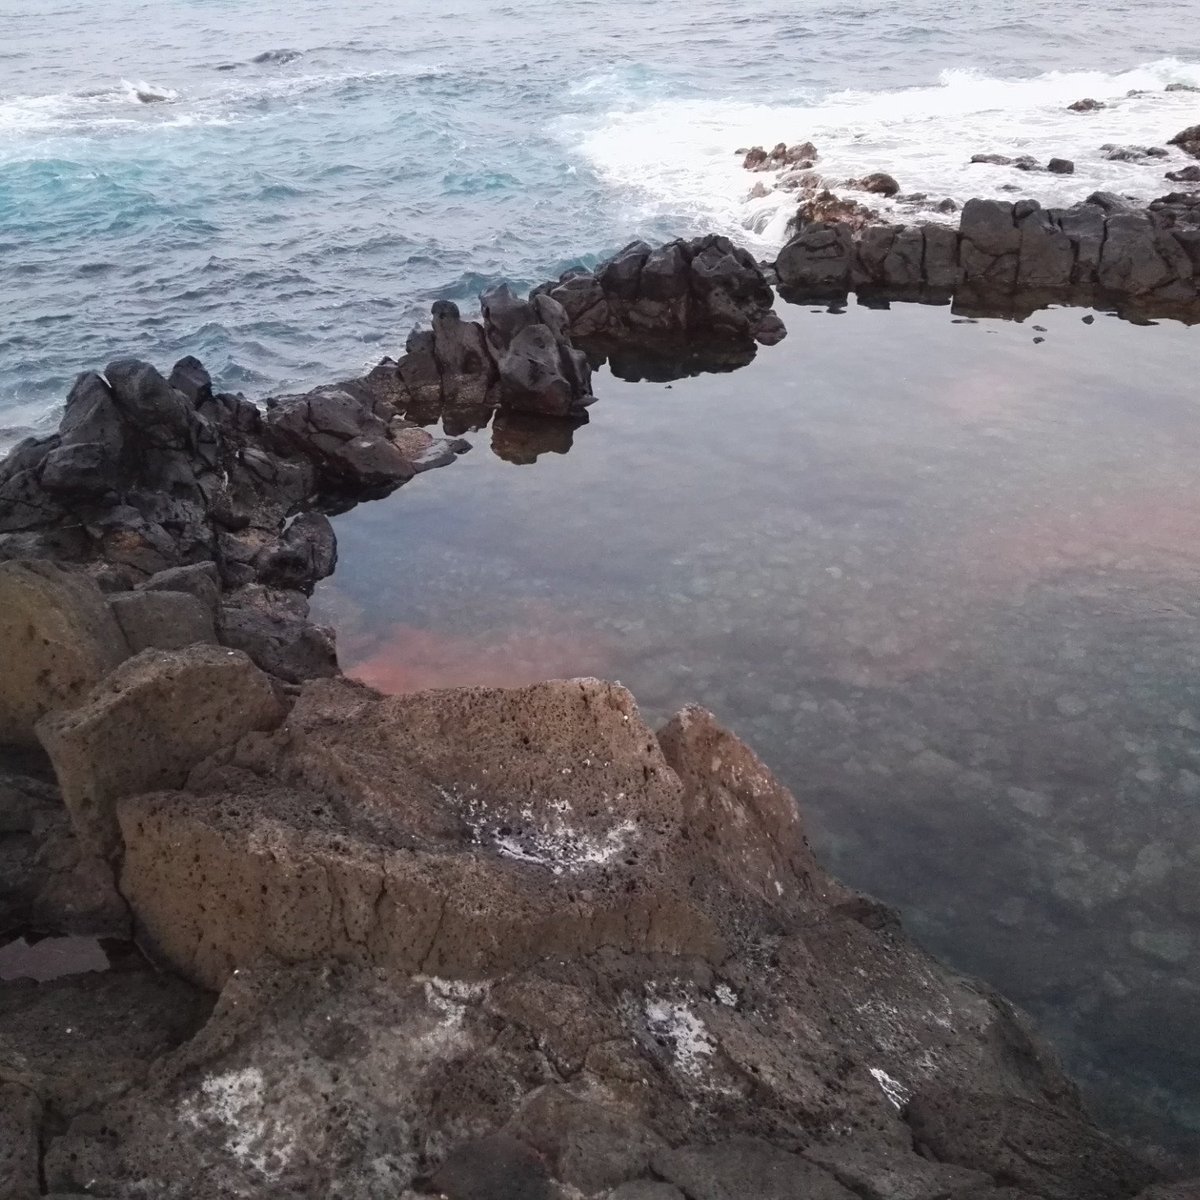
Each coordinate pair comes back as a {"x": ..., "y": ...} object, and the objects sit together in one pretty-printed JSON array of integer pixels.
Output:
[{"x": 940, "y": 573}]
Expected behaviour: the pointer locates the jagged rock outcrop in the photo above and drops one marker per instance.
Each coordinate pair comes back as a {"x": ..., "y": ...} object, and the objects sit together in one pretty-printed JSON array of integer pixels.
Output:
[
  {"x": 706, "y": 289},
  {"x": 148, "y": 479},
  {"x": 1010, "y": 255},
  {"x": 492, "y": 942},
  {"x": 520, "y": 359}
]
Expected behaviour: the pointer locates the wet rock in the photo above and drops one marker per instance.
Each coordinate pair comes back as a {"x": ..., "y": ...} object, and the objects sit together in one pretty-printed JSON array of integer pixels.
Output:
[
  {"x": 540, "y": 372},
  {"x": 1185, "y": 175},
  {"x": 347, "y": 443},
  {"x": 1086, "y": 105},
  {"x": 162, "y": 620},
  {"x": 1050, "y": 1154},
  {"x": 1045, "y": 257},
  {"x": 830, "y": 209},
  {"x": 1132, "y": 153},
  {"x": 1188, "y": 140},
  {"x": 731, "y": 1170},
  {"x": 303, "y": 554},
  {"x": 683, "y": 293},
  {"x": 1061, "y": 166},
  {"x": 879, "y": 183},
  {"x": 146, "y": 724},
  {"x": 60, "y": 639},
  {"x": 995, "y": 160},
  {"x": 817, "y": 260},
  {"x": 1171, "y": 946}
]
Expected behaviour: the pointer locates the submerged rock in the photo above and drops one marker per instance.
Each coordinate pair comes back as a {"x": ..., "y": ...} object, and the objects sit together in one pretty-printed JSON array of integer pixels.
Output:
[{"x": 1086, "y": 105}]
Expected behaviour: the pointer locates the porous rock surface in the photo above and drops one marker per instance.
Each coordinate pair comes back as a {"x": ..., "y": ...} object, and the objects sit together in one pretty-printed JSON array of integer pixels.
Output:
[{"x": 511, "y": 942}]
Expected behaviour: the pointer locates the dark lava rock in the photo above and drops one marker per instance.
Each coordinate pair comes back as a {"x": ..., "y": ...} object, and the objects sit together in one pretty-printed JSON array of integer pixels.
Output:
[
  {"x": 995, "y": 160},
  {"x": 1061, "y": 166},
  {"x": 1051, "y": 1154},
  {"x": 879, "y": 183},
  {"x": 1086, "y": 105},
  {"x": 1185, "y": 175},
  {"x": 676, "y": 295},
  {"x": 1116, "y": 153},
  {"x": 1188, "y": 140}
]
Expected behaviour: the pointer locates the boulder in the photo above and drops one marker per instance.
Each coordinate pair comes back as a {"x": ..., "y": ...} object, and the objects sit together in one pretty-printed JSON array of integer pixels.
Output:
[
  {"x": 346, "y": 442},
  {"x": 271, "y": 626},
  {"x": 1060, "y": 166},
  {"x": 378, "y": 800},
  {"x": 1185, "y": 175},
  {"x": 1050, "y": 1153},
  {"x": 817, "y": 260},
  {"x": 162, "y": 620},
  {"x": 146, "y": 725},
  {"x": 60, "y": 638},
  {"x": 1188, "y": 140},
  {"x": 879, "y": 183},
  {"x": 540, "y": 372},
  {"x": 1086, "y": 105}
]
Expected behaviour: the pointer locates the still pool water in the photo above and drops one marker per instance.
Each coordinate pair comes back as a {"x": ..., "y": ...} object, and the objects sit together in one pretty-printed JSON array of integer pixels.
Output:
[{"x": 942, "y": 574}]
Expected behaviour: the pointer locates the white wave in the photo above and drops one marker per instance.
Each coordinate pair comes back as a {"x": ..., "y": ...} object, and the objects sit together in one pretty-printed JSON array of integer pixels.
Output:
[
  {"x": 676, "y": 157},
  {"x": 136, "y": 104}
]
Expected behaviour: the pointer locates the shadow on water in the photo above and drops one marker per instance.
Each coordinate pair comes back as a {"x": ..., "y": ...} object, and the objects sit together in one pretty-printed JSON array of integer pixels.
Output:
[{"x": 941, "y": 573}]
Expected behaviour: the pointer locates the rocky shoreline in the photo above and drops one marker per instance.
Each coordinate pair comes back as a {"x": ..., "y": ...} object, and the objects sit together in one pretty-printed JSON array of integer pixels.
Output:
[{"x": 478, "y": 942}]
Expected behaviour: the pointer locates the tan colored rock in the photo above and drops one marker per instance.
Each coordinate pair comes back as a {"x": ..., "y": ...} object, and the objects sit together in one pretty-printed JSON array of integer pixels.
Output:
[
  {"x": 459, "y": 833},
  {"x": 147, "y": 724},
  {"x": 740, "y": 817},
  {"x": 59, "y": 639}
]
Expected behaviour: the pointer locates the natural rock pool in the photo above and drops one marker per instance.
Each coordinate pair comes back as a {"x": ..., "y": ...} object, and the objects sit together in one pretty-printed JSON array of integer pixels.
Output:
[{"x": 941, "y": 573}]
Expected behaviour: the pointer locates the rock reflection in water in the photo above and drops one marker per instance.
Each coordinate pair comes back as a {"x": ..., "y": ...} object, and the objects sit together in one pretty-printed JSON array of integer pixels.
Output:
[{"x": 944, "y": 581}]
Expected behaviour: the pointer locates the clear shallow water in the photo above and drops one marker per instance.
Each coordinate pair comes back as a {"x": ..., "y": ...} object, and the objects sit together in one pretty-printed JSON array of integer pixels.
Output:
[
  {"x": 941, "y": 576},
  {"x": 287, "y": 221}
]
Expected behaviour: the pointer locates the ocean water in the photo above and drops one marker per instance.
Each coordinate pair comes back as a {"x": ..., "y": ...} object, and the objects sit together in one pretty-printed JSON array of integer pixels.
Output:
[{"x": 288, "y": 220}]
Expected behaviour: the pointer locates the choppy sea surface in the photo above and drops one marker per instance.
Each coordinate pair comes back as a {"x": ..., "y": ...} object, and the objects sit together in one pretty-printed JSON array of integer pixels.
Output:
[{"x": 281, "y": 189}]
